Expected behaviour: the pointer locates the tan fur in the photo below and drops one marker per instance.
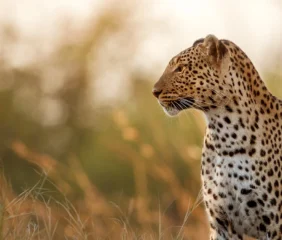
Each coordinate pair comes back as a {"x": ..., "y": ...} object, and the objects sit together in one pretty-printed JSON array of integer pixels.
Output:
[{"x": 242, "y": 152}]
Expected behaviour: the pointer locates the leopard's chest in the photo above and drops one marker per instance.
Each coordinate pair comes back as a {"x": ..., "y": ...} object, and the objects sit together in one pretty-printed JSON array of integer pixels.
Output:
[
  {"x": 240, "y": 173},
  {"x": 226, "y": 164},
  {"x": 225, "y": 177},
  {"x": 228, "y": 189}
]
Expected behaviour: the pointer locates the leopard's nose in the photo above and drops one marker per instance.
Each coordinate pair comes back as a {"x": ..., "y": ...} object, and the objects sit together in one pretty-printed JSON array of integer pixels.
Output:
[{"x": 156, "y": 92}]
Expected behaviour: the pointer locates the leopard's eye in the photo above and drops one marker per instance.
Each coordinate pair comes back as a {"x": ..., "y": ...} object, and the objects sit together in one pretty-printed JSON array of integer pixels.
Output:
[{"x": 179, "y": 69}]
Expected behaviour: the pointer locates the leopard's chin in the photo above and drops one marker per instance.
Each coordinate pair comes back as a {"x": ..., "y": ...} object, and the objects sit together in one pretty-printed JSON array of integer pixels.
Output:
[
  {"x": 171, "y": 111},
  {"x": 172, "y": 108}
]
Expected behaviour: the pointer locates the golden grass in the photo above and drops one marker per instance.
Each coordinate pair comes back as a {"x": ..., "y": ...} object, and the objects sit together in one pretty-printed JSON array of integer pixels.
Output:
[{"x": 36, "y": 214}]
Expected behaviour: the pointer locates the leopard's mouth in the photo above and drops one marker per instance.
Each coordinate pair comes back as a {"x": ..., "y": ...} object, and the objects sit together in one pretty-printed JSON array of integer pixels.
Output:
[{"x": 173, "y": 107}]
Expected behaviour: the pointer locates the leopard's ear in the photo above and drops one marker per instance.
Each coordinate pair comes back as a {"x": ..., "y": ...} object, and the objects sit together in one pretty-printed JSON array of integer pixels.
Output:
[
  {"x": 214, "y": 48},
  {"x": 201, "y": 40}
]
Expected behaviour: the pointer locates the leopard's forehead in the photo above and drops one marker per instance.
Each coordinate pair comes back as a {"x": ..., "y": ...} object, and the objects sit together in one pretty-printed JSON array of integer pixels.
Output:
[
  {"x": 190, "y": 54},
  {"x": 196, "y": 52}
]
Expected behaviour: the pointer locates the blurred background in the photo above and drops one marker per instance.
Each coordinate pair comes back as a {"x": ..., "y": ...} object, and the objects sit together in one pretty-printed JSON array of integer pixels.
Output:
[{"x": 85, "y": 150}]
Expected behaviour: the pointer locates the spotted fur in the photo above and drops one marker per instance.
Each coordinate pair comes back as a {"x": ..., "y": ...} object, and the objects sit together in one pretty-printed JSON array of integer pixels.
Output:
[{"x": 242, "y": 152}]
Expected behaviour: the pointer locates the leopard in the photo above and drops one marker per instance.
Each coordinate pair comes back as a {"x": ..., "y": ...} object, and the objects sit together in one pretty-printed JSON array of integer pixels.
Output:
[{"x": 241, "y": 162}]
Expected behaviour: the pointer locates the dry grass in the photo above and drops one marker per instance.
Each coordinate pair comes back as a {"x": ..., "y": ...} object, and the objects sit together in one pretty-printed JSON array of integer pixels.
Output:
[{"x": 36, "y": 214}]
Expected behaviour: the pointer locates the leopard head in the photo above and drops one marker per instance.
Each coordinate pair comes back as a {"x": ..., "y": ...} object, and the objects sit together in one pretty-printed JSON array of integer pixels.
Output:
[{"x": 195, "y": 78}]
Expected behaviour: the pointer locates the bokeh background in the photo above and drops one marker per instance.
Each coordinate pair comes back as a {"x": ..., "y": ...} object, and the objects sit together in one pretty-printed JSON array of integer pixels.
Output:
[{"x": 85, "y": 150}]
